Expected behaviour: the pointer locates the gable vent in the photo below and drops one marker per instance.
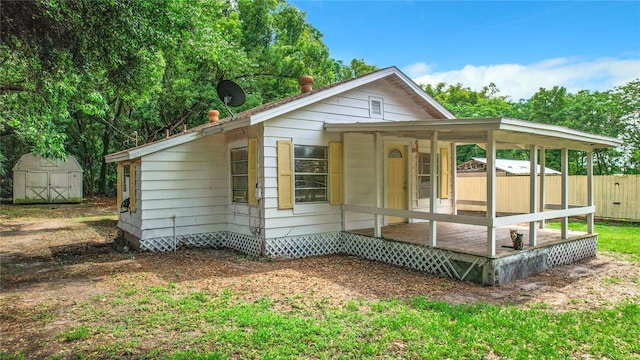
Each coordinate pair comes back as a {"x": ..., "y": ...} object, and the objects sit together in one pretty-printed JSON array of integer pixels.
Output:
[{"x": 375, "y": 107}]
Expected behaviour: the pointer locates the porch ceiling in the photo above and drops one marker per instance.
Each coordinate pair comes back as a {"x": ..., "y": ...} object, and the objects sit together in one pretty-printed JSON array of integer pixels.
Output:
[{"x": 509, "y": 133}]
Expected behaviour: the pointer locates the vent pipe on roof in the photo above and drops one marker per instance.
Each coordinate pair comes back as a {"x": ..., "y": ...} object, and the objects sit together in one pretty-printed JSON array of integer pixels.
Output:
[
  {"x": 213, "y": 116},
  {"x": 305, "y": 83}
]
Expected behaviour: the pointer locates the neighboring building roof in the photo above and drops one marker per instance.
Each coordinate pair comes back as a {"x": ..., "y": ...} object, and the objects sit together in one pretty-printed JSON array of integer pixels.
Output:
[
  {"x": 513, "y": 167},
  {"x": 391, "y": 75}
]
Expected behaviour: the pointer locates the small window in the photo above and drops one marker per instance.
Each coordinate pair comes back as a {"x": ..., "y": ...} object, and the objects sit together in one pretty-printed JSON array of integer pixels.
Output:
[
  {"x": 424, "y": 175},
  {"x": 126, "y": 169},
  {"x": 240, "y": 175},
  {"x": 311, "y": 173},
  {"x": 375, "y": 107}
]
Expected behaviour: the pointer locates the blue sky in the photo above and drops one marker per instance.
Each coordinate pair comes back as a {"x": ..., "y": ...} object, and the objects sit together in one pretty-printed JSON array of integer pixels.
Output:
[{"x": 519, "y": 45}]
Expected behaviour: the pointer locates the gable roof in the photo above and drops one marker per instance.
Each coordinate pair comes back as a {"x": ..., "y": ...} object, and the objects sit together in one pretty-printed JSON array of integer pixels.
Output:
[
  {"x": 390, "y": 76},
  {"x": 514, "y": 167}
]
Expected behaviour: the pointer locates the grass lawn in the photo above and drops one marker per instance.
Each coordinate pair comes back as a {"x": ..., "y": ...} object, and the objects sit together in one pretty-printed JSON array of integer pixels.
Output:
[
  {"x": 169, "y": 320},
  {"x": 147, "y": 321},
  {"x": 615, "y": 237}
]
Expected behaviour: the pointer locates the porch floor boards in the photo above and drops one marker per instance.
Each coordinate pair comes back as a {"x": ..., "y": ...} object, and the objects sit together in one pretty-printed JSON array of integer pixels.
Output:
[{"x": 469, "y": 239}]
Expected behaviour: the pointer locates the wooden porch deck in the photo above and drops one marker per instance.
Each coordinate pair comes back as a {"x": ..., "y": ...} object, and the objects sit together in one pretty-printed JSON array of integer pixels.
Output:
[{"x": 469, "y": 239}]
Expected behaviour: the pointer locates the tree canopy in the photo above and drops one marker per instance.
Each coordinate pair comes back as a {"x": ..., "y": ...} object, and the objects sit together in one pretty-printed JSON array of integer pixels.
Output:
[
  {"x": 614, "y": 113},
  {"x": 88, "y": 78}
]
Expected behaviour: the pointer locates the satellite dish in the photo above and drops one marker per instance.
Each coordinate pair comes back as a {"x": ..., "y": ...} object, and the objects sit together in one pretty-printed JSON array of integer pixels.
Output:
[{"x": 231, "y": 94}]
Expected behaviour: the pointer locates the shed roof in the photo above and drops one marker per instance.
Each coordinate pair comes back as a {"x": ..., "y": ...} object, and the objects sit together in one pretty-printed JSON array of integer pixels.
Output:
[
  {"x": 390, "y": 76},
  {"x": 514, "y": 167},
  {"x": 33, "y": 162}
]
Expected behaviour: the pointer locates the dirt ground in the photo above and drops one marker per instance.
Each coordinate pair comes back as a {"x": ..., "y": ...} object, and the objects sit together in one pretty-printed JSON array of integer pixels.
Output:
[{"x": 57, "y": 255}]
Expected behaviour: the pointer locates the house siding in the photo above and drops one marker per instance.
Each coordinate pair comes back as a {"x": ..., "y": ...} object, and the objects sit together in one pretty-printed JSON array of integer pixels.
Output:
[
  {"x": 306, "y": 127},
  {"x": 359, "y": 178},
  {"x": 189, "y": 182}
]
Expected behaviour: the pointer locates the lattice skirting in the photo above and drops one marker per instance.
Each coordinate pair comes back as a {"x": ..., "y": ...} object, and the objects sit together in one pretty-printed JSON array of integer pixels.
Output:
[
  {"x": 168, "y": 243},
  {"x": 244, "y": 243},
  {"x": 247, "y": 244},
  {"x": 417, "y": 257},
  {"x": 569, "y": 252},
  {"x": 413, "y": 256},
  {"x": 294, "y": 247}
]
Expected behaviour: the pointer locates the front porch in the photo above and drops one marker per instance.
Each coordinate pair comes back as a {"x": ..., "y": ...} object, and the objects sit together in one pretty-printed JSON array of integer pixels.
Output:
[
  {"x": 461, "y": 250},
  {"x": 470, "y": 239}
]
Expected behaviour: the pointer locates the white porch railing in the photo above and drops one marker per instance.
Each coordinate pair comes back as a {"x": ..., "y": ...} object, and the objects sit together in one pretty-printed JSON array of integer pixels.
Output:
[{"x": 490, "y": 223}]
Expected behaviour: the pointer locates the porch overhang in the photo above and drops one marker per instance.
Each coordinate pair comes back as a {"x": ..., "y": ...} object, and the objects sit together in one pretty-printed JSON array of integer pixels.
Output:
[
  {"x": 491, "y": 133},
  {"x": 508, "y": 133}
]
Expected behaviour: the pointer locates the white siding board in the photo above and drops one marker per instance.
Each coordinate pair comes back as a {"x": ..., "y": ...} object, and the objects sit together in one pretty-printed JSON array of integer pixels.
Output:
[
  {"x": 240, "y": 228},
  {"x": 184, "y": 166},
  {"x": 184, "y": 230},
  {"x": 150, "y": 175},
  {"x": 302, "y": 230},
  {"x": 199, "y": 154},
  {"x": 185, "y": 184},
  {"x": 316, "y": 219},
  {"x": 216, "y": 194},
  {"x": 184, "y": 211},
  {"x": 160, "y": 204},
  {"x": 182, "y": 221},
  {"x": 301, "y": 135},
  {"x": 359, "y": 224}
]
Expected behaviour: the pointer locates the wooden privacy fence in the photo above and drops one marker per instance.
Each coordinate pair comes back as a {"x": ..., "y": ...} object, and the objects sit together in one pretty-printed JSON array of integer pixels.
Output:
[{"x": 615, "y": 196}]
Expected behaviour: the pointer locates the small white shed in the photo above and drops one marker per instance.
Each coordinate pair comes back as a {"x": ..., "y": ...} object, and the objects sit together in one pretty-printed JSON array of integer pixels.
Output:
[{"x": 40, "y": 180}]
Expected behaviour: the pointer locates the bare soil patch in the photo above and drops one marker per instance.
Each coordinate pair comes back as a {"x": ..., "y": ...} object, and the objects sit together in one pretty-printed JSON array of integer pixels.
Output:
[{"x": 54, "y": 258}]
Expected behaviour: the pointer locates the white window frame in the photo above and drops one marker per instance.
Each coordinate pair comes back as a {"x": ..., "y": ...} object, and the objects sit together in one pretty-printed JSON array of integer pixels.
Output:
[
  {"x": 234, "y": 198},
  {"x": 372, "y": 107},
  {"x": 297, "y": 173}
]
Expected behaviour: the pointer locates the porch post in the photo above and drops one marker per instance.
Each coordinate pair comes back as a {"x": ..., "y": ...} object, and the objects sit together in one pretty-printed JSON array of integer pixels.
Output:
[
  {"x": 433, "y": 204},
  {"x": 543, "y": 167},
  {"x": 491, "y": 193},
  {"x": 564, "y": 164},
  {"x": 377, "y": 174},
  {"x": 590, "y": 228},
  {"x": 533, "y": 193},
  {"x": 454, "y": 192}
]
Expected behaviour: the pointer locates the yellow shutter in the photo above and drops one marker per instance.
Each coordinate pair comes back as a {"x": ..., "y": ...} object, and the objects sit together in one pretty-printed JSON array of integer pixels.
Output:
[
  {"x": 132, "y": 187},
  {"x": 119, "y": 185},
  {"x": 285, "y": 174},
  {"x": 252, "y": 159},
  {"x": 444, "y": 173},
  {"x": 335, "y": 173}
]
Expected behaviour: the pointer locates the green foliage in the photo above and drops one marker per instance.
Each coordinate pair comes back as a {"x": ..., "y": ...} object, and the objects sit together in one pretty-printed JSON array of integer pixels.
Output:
[
  {"x": 79, "y": 333},
  {"x": 84, "y": 77},
  {"x": 614, "y": 113}
]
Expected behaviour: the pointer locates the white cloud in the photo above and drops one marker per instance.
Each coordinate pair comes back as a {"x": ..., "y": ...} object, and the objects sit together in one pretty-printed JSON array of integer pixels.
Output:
[
  {"x": 418, "y": 69},
  {"x": 522, "y": 81}
]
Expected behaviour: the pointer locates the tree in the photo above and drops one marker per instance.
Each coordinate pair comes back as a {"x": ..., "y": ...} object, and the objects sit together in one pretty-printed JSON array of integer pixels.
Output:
[{"x": 82, "y": 77}]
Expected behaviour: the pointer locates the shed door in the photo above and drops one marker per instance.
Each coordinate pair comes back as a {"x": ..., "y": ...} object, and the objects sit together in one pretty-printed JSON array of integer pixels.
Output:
[
  {"x": 37, "y": 186},
  {"x": 396, "y": 181},
  {"x": 59, "y": 187}
]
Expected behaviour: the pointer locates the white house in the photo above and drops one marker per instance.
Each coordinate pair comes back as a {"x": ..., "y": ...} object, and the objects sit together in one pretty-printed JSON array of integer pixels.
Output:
[{"x": 299, "y": 176}]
